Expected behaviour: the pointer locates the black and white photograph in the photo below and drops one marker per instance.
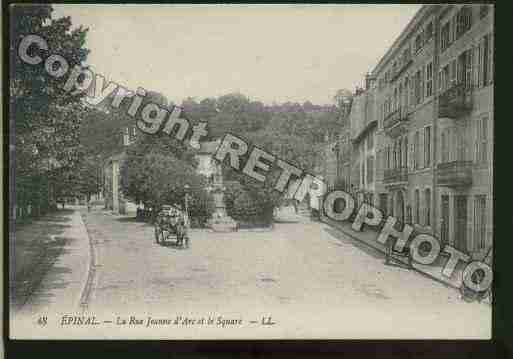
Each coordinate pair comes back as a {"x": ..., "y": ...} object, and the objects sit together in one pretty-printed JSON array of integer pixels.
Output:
[{"x": 256, "y": 171}]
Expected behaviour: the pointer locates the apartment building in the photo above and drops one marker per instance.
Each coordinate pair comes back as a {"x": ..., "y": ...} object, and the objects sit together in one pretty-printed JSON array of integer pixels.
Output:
[
  {"x": 363, "y": 123},
  {"x": 406, "y": 107},
  {"x": 464, "y": 132},
  {"x": 422, "y": 131}
]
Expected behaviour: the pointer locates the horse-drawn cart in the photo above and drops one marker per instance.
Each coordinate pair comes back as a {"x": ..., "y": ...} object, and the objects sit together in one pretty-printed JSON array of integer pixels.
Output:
[{"x": 171, "y": 223}]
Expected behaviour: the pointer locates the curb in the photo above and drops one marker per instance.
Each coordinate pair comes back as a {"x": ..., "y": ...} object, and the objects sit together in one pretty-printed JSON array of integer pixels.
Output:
[
  {"x": 91, "y": 270},
  {"x": 352, "y": 236}
]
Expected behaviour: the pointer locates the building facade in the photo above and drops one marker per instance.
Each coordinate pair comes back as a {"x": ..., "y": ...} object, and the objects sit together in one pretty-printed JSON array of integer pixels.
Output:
[
  {"x": 113, "y": 178},
  {"x": 422, "y": 130},
  {"x": 363, "y": 125}
]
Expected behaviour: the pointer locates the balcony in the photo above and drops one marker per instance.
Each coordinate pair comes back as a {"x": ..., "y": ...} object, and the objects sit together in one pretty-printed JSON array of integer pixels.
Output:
[
  {"x": 454, "y": 174},
  {"x": 396, "y": 176},
  {"x": 395, "y": 122},
  {"x": 455, "y": 102},
  {"x": 400, "y": 69}
]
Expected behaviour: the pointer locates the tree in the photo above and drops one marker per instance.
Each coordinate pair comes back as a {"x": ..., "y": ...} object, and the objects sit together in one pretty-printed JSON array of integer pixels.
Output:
[
  {"x": 44, "y": 117},
  {"x": 156, "y": 172}
]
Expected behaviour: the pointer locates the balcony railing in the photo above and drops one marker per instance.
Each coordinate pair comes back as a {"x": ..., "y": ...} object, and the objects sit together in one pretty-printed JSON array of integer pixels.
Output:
[
  {"x": 400, "y": 68},
  {"x": 454, "y": 174},
  {"x": 455, "y": 102},
  {"x": 394, "y": 121},
  {"x": 396, "y": 175}
]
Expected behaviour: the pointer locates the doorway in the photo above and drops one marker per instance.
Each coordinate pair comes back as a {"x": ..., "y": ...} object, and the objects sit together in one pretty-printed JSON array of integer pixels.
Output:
[
  {"x": 444, "y": 224},
  {"x": 460, "y": 225},
  {"x": 399, "y": 212}
]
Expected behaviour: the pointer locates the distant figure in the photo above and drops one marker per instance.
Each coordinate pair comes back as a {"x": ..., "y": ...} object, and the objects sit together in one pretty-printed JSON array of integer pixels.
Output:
[{"x": 89, "y": 205}]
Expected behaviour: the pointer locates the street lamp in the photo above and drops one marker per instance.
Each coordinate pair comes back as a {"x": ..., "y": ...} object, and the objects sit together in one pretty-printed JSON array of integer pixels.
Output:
[{"x": 186, "y": 188}]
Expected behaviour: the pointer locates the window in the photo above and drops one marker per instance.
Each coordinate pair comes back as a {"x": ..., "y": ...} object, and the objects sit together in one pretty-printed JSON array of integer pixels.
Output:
[
  {"x": 416, "y": 144},
  {"x": 452, "y": 73},
  {"x": 428, "y": 33},
  {"x": 408, "y": 214},
  {"x": 399, "y": 154},
  {"x": 427, "y": 146},
  {"x": 417, "y": 87},
  {"x": 481, "y": 140},
  {"x": 468, "y": 68},
  {"x": 370, "y": 169},
  {"x": 464, "y": 20},
  {"x": 362, "y": 173},
  {"x": 395, "y": 100},
  {"x": 480, "y": 221},
  {"x": 421, "y": 86},
  {"x": 445, "y": 146},
  {"x": 483, "y": 11},
  {"x": 383, "y": 200},
  {"x": 406, "y": 55},
  {"x": 429, "y": 79},
  {"x": 406, "y": 84},
  {"x": 483, "y": 76},
  {"x": 405, "y": 151},
  {"x": 418, "y": 42},
  {"x": 417, "y": 206},
  {"x": 444, "y": 78},
  {"x": 400, "y": 96},
  {"x": 453, "y": 28},
  {"x": 370, "y": 141},
  {"x": 394, "y": 154},
  {"x": 445, "y": 36},
  {"x": 427, "y": 201}
]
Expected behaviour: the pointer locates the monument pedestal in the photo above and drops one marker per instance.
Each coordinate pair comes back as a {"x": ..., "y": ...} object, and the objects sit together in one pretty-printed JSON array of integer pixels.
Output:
[{"x": 221, "y": 221}]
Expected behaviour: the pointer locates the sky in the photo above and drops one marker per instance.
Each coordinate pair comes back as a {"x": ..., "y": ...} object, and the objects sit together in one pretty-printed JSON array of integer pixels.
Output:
[{"x": 270, "y": 53}]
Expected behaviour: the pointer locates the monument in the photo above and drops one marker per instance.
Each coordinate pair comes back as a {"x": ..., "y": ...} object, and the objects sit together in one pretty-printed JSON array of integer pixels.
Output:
[{"x": 220, "y": 220}]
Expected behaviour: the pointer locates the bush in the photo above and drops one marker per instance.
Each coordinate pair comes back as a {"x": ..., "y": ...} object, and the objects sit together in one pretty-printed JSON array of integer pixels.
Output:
[
  {"x": 201, "y": 207},
  {"x": 245, "y": 208}
]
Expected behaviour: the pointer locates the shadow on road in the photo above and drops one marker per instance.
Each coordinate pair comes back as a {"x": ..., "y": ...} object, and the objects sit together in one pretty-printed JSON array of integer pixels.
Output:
[
  {"x": 346, "y": 239},
  {"x": 35, "y": 245},
  {"x": 33, "y": 262},
  {"x": 129, "y": 220},
  {"x": 285, "y": 221},
  {"x": 172, "y": 245}
]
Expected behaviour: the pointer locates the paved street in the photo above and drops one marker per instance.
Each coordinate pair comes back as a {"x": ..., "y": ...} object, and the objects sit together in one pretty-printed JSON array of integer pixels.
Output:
[{"x": 311, "y": 279}]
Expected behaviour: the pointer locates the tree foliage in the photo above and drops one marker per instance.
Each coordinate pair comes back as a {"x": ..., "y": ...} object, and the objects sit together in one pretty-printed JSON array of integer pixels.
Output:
[
  {"x": 44, "y": 119},
  {"x": 157, "y": 171}
]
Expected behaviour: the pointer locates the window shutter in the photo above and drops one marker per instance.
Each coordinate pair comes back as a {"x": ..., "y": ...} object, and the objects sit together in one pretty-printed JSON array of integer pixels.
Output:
[
  {"x": 452, "y": 71},
  {"x": 468, "y": 67},
  {"x": 454, "y": 23},
  {"x": 475, "y": 66},
  {"x": 422, "y": 82},
  {"x": 490, "y": 59},
  {"x": 484, "y": 134},
  {"x": 480, "y": 63},
  {"x": 478, "y": 138}
]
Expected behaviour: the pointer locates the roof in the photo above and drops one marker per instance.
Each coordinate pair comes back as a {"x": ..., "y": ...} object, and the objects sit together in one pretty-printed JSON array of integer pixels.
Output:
[{"x": 414, "y": 22}]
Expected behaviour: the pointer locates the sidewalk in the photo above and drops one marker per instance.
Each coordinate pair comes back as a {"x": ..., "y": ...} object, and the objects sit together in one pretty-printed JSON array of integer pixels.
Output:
[
  {"x": 50, "y": 259},
  {"x": 369, "y": 237}
]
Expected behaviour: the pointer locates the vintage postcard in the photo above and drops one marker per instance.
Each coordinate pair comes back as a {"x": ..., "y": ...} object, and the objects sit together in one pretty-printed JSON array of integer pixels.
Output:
[{"x": 251, "y": 171}]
